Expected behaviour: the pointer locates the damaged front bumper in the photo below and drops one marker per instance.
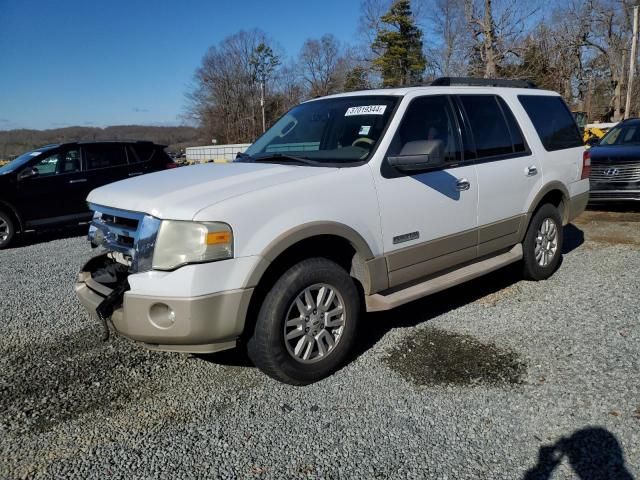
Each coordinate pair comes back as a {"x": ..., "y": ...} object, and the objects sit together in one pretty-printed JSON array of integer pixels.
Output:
[{"x": 202, "y": 324}]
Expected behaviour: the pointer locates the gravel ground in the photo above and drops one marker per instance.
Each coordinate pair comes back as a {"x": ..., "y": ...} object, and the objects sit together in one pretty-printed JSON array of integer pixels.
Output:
[{"x": 555, "y": 393}]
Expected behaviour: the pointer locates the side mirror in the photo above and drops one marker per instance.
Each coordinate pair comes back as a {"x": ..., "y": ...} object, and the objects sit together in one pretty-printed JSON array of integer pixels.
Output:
[
  {"x": 419, "y": 155},
  {"x": 593, "y": 141},
  {"x": 28, "y": 173}
]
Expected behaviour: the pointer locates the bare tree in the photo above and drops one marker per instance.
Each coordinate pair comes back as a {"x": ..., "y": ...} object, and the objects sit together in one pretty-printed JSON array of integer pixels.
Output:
[
  {"x": 225, "y": 98},
  {"x": 448, "y": 51},
  {"x": 495, "y": 28},
  {"x": 608, "y": 38},
  {"x": 322, "y": 65}
]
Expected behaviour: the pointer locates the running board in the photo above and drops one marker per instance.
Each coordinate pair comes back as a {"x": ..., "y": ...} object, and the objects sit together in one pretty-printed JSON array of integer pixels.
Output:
[{"x": 378, "y": 302}]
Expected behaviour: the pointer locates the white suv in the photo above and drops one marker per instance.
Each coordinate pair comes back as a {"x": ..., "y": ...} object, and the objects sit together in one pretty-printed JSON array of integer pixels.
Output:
[{"x": 349, "y": 203}]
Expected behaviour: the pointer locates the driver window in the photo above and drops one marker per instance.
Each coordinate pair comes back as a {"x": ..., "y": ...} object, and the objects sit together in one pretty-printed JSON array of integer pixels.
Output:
[
  {"x": 57, "y": 163},
  {"x": 428, "y": 118},
  {"x": 47, "y": 166}
]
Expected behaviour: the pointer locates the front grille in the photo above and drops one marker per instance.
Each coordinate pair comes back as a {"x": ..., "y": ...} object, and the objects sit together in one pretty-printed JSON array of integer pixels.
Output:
[
  {"x": 131, "y": 234},
  {"x": 120, "y": 221},
  {"x": 621, "y": 173}
]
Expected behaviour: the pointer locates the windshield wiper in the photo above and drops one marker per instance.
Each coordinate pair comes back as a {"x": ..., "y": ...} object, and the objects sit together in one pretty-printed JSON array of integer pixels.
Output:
[
  {"x": 243, "y": 157},
  {"x": 279, "y": 157}
]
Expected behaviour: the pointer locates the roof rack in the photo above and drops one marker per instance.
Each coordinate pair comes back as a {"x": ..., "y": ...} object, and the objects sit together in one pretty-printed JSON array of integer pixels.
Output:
[{"x": 481, "y": 82}]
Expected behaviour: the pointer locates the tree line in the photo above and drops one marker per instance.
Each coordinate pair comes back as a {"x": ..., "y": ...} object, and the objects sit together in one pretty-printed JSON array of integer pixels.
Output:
[
  {"x": 579, "y": 48},
  {"x": 15, "y": 142}
]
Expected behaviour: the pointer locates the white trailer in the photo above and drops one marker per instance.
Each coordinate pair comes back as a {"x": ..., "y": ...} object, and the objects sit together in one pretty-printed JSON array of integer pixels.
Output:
[{"x": 215, "y": 153}]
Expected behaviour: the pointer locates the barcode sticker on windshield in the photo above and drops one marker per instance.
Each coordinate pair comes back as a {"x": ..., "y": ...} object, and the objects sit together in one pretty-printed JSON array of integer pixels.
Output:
[{"x": 366, "y": 110}]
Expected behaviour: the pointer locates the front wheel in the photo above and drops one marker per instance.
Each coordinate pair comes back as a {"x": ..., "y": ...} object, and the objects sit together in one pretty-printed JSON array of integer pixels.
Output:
[
  {"x": 307, "y": 323},
  {"x": 7, "y": 230},
  {"x": 542, "y": 246}
]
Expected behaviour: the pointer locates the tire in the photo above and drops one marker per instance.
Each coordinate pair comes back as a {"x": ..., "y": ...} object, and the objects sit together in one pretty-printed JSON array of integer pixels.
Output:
[
  {"x": 298, "y": 360},
  {"x": 542, "y": 246},
  {"x": 7, "y": 230}
]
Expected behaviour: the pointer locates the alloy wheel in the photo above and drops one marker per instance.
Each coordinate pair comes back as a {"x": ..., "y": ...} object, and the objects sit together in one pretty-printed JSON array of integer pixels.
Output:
[
  {"x": 314, "y": 323},
  {"x": 4, "y": 230},
  {"x": 546, "y": 242}
]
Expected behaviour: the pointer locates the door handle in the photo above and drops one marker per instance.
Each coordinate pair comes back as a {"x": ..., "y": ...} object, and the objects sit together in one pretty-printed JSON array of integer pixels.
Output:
[
  {"x": 463, "y": 184},
  {"x": 531, "y": 170},
  {"x": 135, "y": 174},
  {"x": 77, "y": 180}
]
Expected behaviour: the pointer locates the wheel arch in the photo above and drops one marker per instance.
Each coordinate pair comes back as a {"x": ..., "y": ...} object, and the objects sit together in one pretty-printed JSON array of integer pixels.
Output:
[
  {"x": 555, "y": 193},
  {"x": 11, "y": 210},
  {"x": 334, "y": 241}
]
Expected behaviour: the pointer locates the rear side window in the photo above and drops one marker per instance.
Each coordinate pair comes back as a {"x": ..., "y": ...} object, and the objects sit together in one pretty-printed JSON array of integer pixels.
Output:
[
  {"x": 553, "y": 121},
  {"x": 104, "y": 156},
  {"x": 488, "y": 125},
  {"x": 141, "y": 152}
]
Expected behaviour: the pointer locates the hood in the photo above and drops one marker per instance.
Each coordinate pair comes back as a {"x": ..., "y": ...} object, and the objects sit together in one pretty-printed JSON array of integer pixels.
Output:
[
  {"x": 615, "y": 154},
  {"x": 180, "y": 193}
]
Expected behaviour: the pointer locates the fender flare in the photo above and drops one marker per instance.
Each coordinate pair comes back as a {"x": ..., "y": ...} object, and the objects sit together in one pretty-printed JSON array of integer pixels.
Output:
[
  {"x": 375, "y": 275},
  {"x": 549, "y": 187}
]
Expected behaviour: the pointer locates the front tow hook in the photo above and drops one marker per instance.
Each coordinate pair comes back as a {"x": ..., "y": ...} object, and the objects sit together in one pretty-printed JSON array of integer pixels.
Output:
[{"x": 108, "y": 305}]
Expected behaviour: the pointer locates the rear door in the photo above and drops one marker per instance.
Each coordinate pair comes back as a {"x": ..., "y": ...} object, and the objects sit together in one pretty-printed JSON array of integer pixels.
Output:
[
  {"x": 104, "y": 163},
  {"x": 140, "y": 158},
  {"x": 558, "y": 134},
  {"x": 507, "y": 170}
]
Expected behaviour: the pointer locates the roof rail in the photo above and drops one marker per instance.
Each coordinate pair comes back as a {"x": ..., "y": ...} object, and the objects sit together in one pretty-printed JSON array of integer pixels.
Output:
[{"x": 481, "y": 82}]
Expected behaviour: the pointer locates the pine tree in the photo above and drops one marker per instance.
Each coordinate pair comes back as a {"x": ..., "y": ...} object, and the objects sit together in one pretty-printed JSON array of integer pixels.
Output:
[
  {"x": 401, "y": 61},
  {"x": 356, "y": 79}
]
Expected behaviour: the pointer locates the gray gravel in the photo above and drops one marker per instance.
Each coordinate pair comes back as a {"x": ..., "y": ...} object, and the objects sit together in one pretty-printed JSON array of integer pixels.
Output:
[{"x": 564, "y": 374}]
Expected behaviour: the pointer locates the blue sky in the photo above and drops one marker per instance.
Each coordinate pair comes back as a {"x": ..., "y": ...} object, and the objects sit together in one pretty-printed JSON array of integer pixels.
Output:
[{"x": 114, "y": 62}]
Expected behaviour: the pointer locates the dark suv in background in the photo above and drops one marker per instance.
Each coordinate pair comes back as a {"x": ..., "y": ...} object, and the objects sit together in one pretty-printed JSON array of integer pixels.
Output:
[
  {"x": 49, "y": 186},
  {"x": 615, "y": 165}
]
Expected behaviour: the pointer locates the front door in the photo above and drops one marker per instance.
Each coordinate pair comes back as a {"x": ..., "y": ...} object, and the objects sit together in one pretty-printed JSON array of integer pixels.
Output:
[
  {"x": 429, "y": 218},
  {"x": 51, "y": 195}
]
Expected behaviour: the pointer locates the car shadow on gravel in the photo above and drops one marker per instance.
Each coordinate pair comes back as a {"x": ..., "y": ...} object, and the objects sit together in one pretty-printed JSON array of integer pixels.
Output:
[
  {"x": 376, "y": 325},
  {"x": 592, "y": 452},
  {"x": 573, "y": 238}
]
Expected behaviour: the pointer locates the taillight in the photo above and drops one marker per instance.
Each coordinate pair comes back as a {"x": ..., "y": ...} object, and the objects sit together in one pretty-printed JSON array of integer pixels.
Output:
[
  {"x": 171, "y": 165},
  {"x": 586, "y": 165}
]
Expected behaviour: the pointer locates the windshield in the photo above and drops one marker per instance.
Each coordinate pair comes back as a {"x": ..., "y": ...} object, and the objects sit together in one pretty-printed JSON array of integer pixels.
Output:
[
  {"x": 24, "y": 158},
  {"x": 335, "y": 130},
  {"x": 622, "y": 135}
]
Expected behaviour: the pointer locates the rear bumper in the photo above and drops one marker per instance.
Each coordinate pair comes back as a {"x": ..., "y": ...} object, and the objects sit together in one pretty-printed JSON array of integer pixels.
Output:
[
  {"x": 577, "y": 205},
  {"x": 608, "y": 196},
  {"x": 202, "y": 324}
]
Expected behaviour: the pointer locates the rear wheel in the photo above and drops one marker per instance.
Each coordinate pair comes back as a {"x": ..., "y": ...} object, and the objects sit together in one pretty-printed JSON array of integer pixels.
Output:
[
  {"x": 7, "y": 230},
  {"x": 542, "y": 244},
  {"x": 307, "y": 323}
]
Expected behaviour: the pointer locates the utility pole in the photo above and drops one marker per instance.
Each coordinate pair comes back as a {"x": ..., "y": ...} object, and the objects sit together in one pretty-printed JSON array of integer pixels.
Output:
[
  {"x": 632, "y": 63},
  {"x": 264, "y": 126},
  {"x": 589, "y": 100}
]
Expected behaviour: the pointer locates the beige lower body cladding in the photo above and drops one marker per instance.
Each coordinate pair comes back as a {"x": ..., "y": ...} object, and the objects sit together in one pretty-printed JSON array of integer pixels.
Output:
[{"x": 199, "y": 324}]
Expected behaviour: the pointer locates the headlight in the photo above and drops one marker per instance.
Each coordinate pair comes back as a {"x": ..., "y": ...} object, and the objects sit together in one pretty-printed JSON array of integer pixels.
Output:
[{"x": 180, "y": 243}]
